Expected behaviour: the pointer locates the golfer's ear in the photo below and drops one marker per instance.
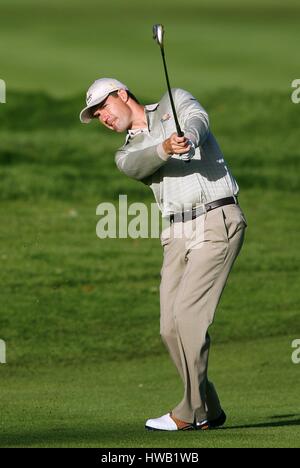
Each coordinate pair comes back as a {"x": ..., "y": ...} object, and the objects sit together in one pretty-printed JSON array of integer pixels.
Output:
[{"x": 123, "y": 95}]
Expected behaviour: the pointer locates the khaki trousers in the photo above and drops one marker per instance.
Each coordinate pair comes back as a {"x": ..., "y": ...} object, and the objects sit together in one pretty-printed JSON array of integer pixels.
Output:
[{"x": 198, "y": 257}]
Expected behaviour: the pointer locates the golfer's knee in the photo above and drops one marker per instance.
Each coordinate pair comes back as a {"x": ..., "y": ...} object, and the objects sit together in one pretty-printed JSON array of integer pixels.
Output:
[
  {"x": 192, "y": 325},
  {"x": 167, "y": 333}
]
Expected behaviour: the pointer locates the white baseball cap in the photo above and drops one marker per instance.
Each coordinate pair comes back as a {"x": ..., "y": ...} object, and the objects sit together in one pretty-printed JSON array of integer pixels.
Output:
[{"x": 97, "y": 93}]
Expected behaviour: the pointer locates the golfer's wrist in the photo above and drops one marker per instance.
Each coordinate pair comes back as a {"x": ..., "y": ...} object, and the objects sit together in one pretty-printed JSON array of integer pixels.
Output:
[
  {"x": 163, "y": 152},
  {"x": 167, "y": 146}
]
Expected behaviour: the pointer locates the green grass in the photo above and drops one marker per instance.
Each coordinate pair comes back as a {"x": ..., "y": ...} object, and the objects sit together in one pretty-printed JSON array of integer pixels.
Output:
[
  {"x": 209, "y": 44},
  {"x": 106, "y": 404},
  {"x": 80, "y": 315},
  {"x": 68, "y": 295}
]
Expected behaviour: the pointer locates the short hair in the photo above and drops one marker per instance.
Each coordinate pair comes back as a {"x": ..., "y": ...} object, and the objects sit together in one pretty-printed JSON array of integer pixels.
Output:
[{"x": 132, "y": 96}]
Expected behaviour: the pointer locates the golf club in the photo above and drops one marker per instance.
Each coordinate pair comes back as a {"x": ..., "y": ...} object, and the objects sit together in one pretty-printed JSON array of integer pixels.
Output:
[{"x": 158, "y": 35}]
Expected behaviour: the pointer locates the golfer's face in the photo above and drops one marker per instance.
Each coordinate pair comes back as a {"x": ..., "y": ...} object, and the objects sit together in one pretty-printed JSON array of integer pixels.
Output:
[{"x": 114, "y": 114}]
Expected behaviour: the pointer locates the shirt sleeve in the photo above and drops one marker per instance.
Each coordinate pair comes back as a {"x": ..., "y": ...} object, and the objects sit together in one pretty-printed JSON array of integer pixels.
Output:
[
  {"x": 141, "y": 163},
  {"x": 193, "y": 118}
]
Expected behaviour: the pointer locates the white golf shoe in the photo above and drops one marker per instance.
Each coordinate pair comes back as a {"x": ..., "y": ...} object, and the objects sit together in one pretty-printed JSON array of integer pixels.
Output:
[{"x": 166, "y": 423}]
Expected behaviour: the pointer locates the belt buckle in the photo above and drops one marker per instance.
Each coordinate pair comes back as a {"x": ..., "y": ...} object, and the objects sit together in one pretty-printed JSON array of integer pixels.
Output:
[{"x": 184, "y": 216}]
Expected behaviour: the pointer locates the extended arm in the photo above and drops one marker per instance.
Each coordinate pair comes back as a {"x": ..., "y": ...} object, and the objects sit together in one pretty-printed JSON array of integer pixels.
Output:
[{"x": 141, "y": 163}]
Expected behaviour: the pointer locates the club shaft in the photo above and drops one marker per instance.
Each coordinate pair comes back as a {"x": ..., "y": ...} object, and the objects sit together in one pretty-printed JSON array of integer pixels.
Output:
[{"x": 179, "y": 131}]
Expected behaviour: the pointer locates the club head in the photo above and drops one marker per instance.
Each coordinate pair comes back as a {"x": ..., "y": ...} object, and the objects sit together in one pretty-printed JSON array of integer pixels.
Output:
[{"x": 158, "y": 34}]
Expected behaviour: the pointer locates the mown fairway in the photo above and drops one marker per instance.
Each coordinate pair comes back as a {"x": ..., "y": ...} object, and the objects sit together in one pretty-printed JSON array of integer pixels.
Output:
[
  {"x": 79, "y": 315},
  {"x": 96, "y": 405}
]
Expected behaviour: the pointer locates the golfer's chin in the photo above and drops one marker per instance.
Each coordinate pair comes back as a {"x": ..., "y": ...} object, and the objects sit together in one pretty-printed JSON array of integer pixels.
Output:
[{"x": 117, "y": 127}]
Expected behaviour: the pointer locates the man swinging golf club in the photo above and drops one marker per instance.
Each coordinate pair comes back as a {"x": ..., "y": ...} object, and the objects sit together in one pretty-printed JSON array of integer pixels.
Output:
[{"x": 169, "y": 147}]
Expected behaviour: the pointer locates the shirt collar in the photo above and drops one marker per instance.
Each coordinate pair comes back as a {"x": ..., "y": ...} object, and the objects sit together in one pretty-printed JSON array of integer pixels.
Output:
[
  {"x": 151, "y": 107},
  {"x": 136, "y": 131}
]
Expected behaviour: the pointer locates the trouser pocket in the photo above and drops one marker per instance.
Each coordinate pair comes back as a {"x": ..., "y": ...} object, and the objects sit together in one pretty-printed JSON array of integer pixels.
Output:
[{"x": 234, "y": 219}]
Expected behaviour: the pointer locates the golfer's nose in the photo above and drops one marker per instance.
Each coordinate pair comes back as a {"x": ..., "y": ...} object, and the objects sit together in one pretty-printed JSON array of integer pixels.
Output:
[{"x": 103, "y": 115}]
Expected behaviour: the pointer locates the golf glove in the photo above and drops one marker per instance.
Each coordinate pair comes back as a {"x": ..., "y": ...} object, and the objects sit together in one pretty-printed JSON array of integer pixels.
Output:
[{"x": 188, "y": 156}]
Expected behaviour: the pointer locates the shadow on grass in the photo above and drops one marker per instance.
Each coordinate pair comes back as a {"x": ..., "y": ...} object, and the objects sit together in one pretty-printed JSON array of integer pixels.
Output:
[
  {"x": 279, "y": 416},
  {"x": 108, "y": 435},
  {"x": 289, "y": 422},
  {"x": 100, "y": 436}
]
